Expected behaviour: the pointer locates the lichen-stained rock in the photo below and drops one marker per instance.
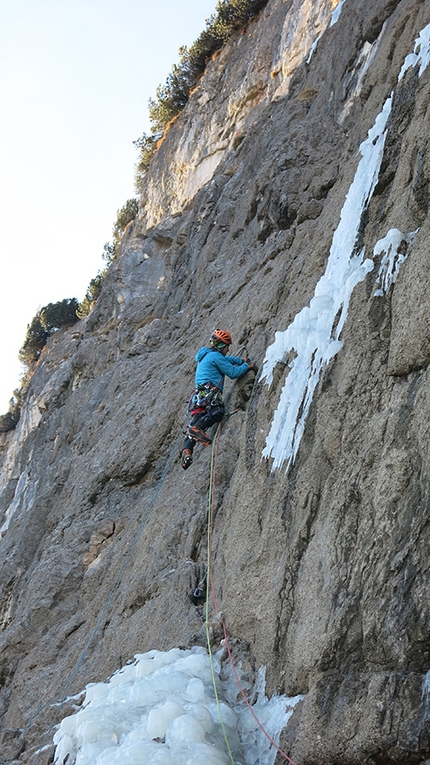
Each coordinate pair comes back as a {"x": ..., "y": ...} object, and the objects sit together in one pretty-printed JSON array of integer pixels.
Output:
[{"x": 321, "y": 571}]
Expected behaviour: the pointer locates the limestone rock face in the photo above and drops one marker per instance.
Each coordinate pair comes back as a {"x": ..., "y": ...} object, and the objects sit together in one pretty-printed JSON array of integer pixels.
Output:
[{"x": 321, "y": 570}]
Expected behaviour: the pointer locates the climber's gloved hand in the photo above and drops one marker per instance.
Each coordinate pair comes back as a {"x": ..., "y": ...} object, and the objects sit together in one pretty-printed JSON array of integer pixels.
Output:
[{"x": 251, "y": 365}]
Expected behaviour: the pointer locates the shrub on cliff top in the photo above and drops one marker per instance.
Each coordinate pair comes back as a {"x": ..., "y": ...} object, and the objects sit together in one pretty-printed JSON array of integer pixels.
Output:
[
  {"x": 10, "y": 419},
  {"x": 55, "y": 315},
  {"x": 93, "y": 291},
  {"x": 171, "y": 97},
  {"x": 45, "y": 322},
  {"x": 125, "y": 215}
]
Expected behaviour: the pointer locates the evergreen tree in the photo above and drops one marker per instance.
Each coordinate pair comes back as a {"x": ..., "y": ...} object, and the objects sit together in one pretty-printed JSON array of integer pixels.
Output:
[
  {"x": 46, "y": 321},
  {"x": 93, "y": 291},
  {"x": 10, "y": 420}
]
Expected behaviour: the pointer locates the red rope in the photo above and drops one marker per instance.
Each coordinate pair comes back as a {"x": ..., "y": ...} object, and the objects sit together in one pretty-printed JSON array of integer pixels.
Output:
[{"x": 214, "y": 598}]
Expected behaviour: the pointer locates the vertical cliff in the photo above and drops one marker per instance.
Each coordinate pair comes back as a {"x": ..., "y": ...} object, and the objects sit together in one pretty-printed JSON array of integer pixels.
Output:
[{"x": 289, "y": 204}]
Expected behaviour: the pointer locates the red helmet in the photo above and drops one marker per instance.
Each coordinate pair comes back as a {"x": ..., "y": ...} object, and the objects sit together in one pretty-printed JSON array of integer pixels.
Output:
[{"x": 220, "y": 336}]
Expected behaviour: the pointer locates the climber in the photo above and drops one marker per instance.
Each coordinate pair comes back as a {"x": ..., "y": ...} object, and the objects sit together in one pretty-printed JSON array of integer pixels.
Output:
[{"x": 206, "y": 406}]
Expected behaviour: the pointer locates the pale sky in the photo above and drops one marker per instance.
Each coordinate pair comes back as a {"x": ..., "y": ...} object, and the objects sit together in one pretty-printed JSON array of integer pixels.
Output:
[{"x": 75, "y": 79}]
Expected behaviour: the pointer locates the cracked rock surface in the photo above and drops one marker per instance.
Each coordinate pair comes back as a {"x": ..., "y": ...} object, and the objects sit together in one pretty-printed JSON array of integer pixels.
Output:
[{"x": 322, "y": 572}]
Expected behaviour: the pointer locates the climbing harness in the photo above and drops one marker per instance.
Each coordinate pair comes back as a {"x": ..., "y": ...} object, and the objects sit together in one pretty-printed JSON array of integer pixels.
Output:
[
  {"x": 204, "y": 397},
  {"x": 209, "y": 577}
]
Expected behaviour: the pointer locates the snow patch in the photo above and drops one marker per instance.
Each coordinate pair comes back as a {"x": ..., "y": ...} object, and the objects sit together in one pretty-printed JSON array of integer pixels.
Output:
[
  {"x": 365, "y": 59},
  {"x": 421, "y": 54},
  {"x": 333, "y": 19},
  {"x": 396, "y": 248},
  {"x": 314, "y": 334},
  {"x": 161, "y": 710},
  {"x": 336, "y": 13},
  {"x": 313, "y": 48}
]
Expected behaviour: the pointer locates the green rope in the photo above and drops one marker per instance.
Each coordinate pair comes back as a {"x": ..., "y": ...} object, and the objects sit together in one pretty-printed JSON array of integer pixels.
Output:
[{"x": 208, "y": 573}]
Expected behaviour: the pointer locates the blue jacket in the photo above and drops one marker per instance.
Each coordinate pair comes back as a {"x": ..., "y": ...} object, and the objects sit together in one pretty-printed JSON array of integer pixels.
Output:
[{"x": 212, "y": 367}]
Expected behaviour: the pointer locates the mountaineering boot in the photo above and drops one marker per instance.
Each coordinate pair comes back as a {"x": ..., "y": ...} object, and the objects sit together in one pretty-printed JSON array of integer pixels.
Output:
[
  {"x": 198, "y": 435},
  {"x": 186, "y": 458}
]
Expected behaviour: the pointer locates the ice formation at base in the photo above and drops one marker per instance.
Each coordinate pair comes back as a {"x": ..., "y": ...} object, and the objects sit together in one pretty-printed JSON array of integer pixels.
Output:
[
  {"x": 162, "y": 710},
  {"x": 314, "y": 334}
]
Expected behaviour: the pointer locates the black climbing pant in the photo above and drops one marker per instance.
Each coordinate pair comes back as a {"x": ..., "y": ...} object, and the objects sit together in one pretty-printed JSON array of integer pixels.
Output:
[{"x": 203, "y": 421}]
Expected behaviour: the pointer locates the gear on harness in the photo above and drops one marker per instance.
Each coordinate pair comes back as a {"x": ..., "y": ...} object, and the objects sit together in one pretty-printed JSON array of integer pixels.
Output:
[{"x": 204, "y": 397}]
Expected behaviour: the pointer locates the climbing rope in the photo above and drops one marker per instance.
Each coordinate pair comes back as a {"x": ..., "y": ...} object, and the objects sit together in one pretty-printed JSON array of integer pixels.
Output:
[
  {"x": 212, "y": 479},
  {"x": 208, "y": 574},
  {"x": 64, "y": 692},
  {"x": 73, "y": 674}
]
